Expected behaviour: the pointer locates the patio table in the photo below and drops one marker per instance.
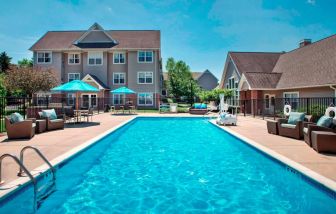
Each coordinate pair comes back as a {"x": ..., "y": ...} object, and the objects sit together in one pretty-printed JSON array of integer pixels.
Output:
[{"x": 78, "y": 114}]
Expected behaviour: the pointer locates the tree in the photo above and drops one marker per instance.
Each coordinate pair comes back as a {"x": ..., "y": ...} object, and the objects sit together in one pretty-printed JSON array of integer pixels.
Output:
[
  {"x": 30, "y": 80},
  {"x": 180, "y": 81},
  {"x": 25, "y": 62},
  {"x": 213, "y": 95},
  {"x": 4, "y": 62}
]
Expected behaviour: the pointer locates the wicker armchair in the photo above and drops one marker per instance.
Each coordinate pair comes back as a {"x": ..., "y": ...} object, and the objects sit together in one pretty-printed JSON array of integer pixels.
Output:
[
  {"x": 24, "y": 129},
  {"x": 293, "y": 131}
]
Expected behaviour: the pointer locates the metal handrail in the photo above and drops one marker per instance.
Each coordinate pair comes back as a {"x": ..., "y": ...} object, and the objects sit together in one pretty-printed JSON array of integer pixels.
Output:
[
  {"x": 41, "y": 156},
  {"x": 25, "y": 170}
]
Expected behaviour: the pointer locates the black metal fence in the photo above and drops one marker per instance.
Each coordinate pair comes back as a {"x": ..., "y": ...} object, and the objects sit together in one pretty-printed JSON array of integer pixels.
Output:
[
  {"x": 274, "y": 107},
  {"x": 29, "y": 107}
]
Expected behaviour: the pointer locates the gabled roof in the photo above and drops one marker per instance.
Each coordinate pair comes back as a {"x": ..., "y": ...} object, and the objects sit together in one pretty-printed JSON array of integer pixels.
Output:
[
  {"x": 307, "y": 66},
  {"x": 254, "y": 61},
  {"x": 311, "y": 65},
  {"x": 127, "y": 39},
  {"x": 91, "y": 77},
  {"x": 261, "y": 80},
  {"x": 195, "y": 75}
]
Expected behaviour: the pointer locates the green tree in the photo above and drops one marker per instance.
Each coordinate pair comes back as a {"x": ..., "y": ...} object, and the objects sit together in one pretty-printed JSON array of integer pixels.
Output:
[
  {"x": 180, "y": 81},
  {"x": 4, "y": 62},
  {"x": 29, "y": 80},
  {"x": 25, "y": 62},
  {"x": 213, "y": 95}
]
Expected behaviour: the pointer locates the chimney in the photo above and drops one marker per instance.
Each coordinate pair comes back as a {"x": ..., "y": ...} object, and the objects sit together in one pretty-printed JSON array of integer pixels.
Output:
[{"x": 305, "y": 42}]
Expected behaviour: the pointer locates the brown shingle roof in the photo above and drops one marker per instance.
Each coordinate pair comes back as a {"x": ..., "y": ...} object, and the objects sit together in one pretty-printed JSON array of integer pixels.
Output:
[
  {"x": 60, "y": 40},
  {"x": 262, "y": 80},
  {"x": 312, "y": 65},
  {"x": 254, "y": 61}
]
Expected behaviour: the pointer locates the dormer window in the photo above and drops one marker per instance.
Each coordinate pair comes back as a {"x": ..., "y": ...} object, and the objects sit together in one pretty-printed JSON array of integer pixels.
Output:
[
  {"x": 119, "y": 58},
  {"x": 95, "y": 58},
  {"x": 44, "y": 57},
  {"x": 73, "y": 58},
  {"x": 145, "y": 56}
]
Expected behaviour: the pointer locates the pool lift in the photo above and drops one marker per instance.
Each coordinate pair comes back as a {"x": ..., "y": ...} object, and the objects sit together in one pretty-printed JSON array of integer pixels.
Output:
[
  {"x": 224, "y": 117},
  {"x": 44, "y": 190}
]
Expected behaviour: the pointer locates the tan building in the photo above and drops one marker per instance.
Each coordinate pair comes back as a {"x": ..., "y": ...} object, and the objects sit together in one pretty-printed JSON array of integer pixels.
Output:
[
  {"x": 106, "y": 59},
  {"x": 306, "y": 72}
]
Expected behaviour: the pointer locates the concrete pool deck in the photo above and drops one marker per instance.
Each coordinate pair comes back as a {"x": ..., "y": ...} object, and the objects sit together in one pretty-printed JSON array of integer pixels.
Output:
[{"x": 56, "y": 143}]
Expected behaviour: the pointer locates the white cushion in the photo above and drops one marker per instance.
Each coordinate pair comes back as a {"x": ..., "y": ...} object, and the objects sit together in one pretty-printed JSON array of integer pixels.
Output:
[
  {"x": 286, "y": 125},
  {"x": 305, "y": 130}
]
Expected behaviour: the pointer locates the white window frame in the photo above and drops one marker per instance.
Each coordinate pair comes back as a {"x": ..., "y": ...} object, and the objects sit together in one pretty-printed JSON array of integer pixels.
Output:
[
  {"x": 291, "y": 92},
  {"x": 41, "y": 97},
  {"x": 118, "y": 73},
  {"x": 43, "y": 52},
  {"x": 72, "y": 55},
  {"x": 121, "y": 99},
  {"x": 270, "y": 96},
  {"x": 90, "y": 99},
  {"x": 76, "y": 73},
  {"x": 118, "y": 54},
  {"x": 138, "y": 55},
  {"x": 95, "y": 55},
  {"x": 146, "y": 72},
  {"x": 146, "y": 93}
]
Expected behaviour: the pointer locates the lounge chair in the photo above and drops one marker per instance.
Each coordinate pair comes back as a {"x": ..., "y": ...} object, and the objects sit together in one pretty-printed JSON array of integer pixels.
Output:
[
  {"x": 54, "y": 121},
  {"x": 293, "y": 126},
  {"x": 225, "y": 118},
  {"x": 198, "y": 108},
  {"x": 20, "y": 128},
  {"x": 325, "y": 123}
]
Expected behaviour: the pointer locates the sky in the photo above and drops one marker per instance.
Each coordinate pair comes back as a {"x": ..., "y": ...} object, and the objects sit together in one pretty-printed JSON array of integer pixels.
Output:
[{"x": 198, "y": 32}]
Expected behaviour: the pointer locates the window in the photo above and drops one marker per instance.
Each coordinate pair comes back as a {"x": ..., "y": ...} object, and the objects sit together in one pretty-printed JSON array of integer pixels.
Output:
[
  {"x": 73, "y": 58},
  {"x": 118, "y": 99},
  {"x": 119, "y": 78},
  {"x": 145, "y": 56},
  {"x": 95, "y": 58},
  {"x": 73, "y": 76},
  {"x": 292, "y": 98},
  {"x": 145, "y": 99},
  {"x": 71, "y": 99},
  {"x": 232, "y": 84},
  {"x": 164, "y": 92},
  {"x": 44, "y": 57},
  {"x": 119, "y": 58},
  {"x": 145, "y": 77}
]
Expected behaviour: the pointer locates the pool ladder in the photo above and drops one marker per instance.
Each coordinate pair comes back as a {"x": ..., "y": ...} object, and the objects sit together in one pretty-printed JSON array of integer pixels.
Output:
[{"x": 23, "y": 170}]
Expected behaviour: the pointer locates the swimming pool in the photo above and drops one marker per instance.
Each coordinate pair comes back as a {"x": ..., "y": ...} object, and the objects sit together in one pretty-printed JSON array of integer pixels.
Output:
[{"x": 174, "y": 165}]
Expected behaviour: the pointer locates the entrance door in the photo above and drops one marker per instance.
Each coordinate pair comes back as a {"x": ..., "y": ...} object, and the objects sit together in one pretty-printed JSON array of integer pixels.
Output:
[
  {"x": 269, "y": 100},
  {"x": 89, "y": 100}
]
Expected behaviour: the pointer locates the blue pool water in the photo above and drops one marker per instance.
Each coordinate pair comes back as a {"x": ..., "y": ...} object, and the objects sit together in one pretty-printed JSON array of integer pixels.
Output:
[{"x": 175, "y": 165}]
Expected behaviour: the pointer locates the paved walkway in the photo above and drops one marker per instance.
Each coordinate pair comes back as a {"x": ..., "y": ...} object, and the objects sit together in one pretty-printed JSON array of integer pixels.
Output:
[{"x": 56, "y": 143}]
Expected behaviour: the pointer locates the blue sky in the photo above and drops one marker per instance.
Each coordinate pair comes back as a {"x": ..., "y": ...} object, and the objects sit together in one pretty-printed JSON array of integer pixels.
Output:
[{"x": 198, "y": 32}]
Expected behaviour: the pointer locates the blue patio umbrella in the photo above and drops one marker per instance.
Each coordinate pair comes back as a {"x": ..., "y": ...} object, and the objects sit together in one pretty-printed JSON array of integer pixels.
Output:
[
  {"x": 75, "y": 86},
  {"x": 123, "y": 90}
]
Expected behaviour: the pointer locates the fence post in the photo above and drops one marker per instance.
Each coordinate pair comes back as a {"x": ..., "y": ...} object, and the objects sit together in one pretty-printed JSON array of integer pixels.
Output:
[
  {"x": 274, "y": 108},
  {"x": 2, "y": 118},
  {"x": 263, "y": 108},
  {"x": 47, "y": 98},
  {"x": 245, "y": 107},
  {"x": 24, "y": 107}
]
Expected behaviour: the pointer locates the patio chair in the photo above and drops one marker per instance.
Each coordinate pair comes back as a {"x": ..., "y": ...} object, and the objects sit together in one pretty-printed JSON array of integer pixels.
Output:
[
  {"x": 19, "y": 129},
  {"x": 325, "y": 123},
  {"x": 293, "y": 126},
  {"x": 54, "y": 121},
  {"x": 88, "y": 114},
  {"x": 69, "y": 115}
]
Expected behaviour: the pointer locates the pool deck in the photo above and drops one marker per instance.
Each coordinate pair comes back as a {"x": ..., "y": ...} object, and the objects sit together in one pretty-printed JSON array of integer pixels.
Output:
[{"x": 56, "y": 143}]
